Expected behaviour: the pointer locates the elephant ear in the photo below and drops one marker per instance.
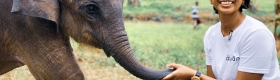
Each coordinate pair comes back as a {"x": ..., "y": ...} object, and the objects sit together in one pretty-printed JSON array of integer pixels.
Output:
[{"x": 47, "y": 9}]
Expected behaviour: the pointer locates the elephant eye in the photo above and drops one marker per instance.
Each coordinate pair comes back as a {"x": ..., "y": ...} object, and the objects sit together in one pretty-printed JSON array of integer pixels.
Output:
[{"x": 92, "y": 10}]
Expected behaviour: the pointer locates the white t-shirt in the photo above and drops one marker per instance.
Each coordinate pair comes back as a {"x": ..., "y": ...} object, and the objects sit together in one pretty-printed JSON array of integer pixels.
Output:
[{"x": 250, "y": 48}]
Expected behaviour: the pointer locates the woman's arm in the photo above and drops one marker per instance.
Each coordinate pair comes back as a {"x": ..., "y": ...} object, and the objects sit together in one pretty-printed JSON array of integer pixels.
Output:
[
  {"x": 185, "y": 73},
  {"x": 210, "y": 71}
]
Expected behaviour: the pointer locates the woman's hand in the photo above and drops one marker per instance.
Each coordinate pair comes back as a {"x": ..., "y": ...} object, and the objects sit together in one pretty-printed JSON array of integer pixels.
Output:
[{"x": 181, "y": 72}]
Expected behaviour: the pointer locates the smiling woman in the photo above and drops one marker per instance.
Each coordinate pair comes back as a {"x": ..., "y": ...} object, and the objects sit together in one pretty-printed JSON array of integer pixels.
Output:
[{"x": 233, "y": 49}]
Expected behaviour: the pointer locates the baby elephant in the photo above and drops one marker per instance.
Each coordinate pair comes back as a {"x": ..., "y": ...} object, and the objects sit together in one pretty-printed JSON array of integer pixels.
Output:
[{"x": 36, "y": 33}]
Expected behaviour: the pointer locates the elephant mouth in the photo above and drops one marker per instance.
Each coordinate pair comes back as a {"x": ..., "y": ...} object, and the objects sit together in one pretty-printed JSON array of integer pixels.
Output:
[{"x": 88, "y": 38}]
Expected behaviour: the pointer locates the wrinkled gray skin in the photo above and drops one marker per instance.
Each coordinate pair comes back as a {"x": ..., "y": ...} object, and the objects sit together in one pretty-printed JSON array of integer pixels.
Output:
[{"x": 36, "y": 33}]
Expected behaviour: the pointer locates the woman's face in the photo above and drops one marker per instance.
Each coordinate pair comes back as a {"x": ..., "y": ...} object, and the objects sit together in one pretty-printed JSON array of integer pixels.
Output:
[{"x": 226, "y": 6}]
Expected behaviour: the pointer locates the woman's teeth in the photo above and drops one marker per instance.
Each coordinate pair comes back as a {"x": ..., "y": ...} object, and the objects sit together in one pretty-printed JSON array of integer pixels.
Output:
[{"x": 226, "y": 2}]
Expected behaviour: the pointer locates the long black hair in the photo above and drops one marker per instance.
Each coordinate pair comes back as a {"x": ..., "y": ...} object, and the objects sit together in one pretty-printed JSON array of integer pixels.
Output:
[{"x": 246, "y": 5}]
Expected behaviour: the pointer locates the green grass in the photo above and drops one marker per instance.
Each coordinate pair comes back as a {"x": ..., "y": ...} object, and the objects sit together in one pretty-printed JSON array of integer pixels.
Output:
[{"x": 157, "y": 44}]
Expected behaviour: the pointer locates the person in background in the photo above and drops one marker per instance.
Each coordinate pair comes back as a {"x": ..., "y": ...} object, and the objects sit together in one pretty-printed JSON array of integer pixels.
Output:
[
  {"x": 195, "y": 15},
  {"x": 238, "y": 47}
]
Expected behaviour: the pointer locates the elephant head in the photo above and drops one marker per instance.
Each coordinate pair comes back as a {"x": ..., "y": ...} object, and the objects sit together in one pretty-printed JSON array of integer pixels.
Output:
[{"x": 95, "y": 22}]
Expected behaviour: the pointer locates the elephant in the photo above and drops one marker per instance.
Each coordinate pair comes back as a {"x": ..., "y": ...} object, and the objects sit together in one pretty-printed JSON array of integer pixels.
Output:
[{"x": 36, "y": 33}]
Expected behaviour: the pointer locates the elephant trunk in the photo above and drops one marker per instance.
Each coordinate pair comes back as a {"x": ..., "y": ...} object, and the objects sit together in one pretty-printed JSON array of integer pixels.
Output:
[
  {"x": 127, "y": 60},
  {"x": 120, "y": 50}
]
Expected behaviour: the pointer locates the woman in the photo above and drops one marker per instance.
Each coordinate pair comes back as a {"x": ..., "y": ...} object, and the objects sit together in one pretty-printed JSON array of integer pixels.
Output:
[{"x": 238, "y": 47}]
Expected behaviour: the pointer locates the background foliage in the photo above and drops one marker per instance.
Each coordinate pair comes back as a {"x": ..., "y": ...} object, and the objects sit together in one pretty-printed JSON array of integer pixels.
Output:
[{"x": 169, "y": 6}]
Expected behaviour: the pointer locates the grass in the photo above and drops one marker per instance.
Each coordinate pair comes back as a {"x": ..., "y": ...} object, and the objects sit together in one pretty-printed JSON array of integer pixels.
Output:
[{"x": 160, "y": 44}]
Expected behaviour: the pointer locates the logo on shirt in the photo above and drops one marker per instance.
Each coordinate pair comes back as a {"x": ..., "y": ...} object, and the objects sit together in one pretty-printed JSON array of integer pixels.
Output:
[{"x": 232, "y": 58}]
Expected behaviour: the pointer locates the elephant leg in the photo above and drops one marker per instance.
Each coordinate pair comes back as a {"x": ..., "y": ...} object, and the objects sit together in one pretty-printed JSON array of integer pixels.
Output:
[{"x": 6, "y": 66}]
